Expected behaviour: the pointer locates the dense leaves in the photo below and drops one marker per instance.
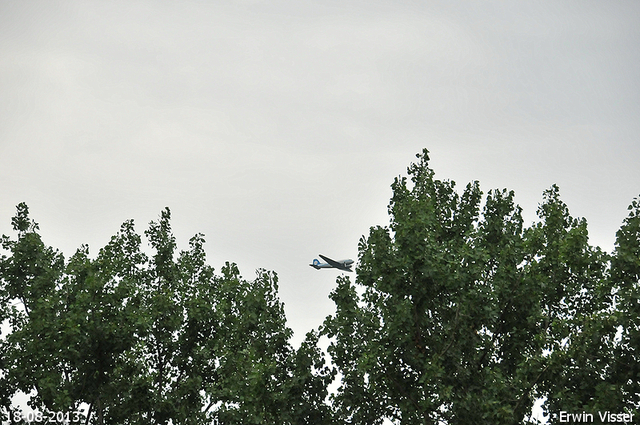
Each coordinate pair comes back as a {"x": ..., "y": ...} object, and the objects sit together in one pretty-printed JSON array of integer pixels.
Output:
[
  {"x": 159, "y": 339},
  {"x": 625, "y": 273},
  {"x": 459, "y": 314}
]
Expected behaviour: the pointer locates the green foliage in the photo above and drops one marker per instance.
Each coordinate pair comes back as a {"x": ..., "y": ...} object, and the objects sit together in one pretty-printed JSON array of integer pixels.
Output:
[
  {"x": 459, "y": 314},
  {"x": 625, "y": 273},
  {"x": 463, "y": 316},
  {"x": 159, "y": 339}
]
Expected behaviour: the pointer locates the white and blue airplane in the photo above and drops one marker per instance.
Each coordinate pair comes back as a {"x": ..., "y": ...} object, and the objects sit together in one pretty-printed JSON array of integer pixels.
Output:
[{"x": 332, "y": 264}]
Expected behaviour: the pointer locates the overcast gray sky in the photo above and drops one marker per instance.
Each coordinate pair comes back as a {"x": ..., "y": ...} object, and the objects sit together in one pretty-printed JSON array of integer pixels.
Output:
[{"x": 276, "y": 127}]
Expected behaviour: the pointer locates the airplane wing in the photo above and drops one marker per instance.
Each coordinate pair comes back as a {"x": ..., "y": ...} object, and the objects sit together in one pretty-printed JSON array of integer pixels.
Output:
[
  {"x": 330, "y": 261},
  {"x": 335, "y": 264}
]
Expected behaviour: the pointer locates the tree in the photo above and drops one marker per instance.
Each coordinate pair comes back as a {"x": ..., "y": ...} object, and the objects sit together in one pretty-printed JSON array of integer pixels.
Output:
[
  {"x": 458, "y": 316},
  {"x": 151, "y": 339},
  {"x": 625, "y": 275}
]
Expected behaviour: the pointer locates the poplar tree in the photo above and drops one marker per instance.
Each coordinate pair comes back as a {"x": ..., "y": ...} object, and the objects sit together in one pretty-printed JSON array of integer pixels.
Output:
[
  {"x": 151, "y": 339},
  {"x": 462, "y": 314}
]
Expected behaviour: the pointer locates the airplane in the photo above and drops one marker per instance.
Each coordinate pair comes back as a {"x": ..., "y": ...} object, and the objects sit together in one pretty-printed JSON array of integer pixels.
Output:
[{"x": 332, "y": 264}]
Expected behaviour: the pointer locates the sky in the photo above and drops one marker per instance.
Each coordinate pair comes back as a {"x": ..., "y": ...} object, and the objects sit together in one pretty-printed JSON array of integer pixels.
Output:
[{"x": 277, "y": 127}]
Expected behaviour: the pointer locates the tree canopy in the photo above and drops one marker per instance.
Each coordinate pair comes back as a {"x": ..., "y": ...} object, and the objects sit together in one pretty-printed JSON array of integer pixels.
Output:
[
  {"x": 151, "y": 339},
  {"x": 459, "y": 314}
]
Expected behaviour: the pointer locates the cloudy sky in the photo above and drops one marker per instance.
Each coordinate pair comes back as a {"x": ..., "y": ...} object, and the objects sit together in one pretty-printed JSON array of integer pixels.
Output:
[{"x": 276, "y": 127}]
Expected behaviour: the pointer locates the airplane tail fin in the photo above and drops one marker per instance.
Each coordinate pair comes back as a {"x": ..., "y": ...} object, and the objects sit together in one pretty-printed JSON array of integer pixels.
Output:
[{"x": 316, "y": 262}]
